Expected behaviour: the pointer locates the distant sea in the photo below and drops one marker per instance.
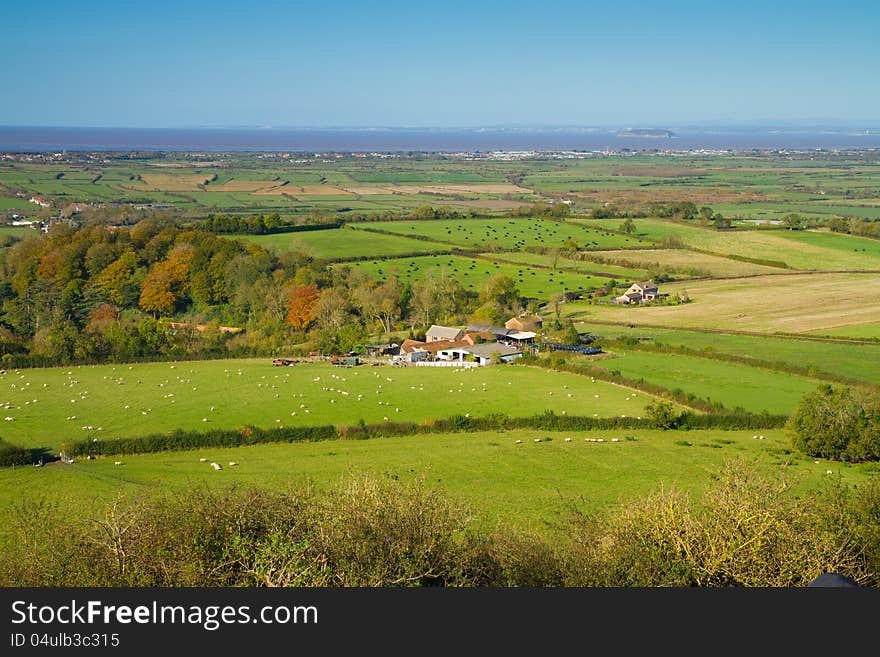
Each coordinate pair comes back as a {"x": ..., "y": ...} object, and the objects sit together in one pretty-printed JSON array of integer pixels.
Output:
[{"x": 41, "y": 139}]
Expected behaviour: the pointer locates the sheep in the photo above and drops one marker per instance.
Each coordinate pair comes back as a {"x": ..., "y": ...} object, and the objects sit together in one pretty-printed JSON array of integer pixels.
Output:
[
  {"x": 202, "y": 460},
  {"x": 9, "y": 419},
  {"x": 615, "y": 440},
  {"x": 233, "y": 463},
  {"x": 216, "y": 466},
  {"x": 537, "y": 440},
  {"x": 600, "y": 440},
  {"x": 568, "y": 440},
  {"x": 117, "y": 462},
  {"x": 828, "y": 472}
]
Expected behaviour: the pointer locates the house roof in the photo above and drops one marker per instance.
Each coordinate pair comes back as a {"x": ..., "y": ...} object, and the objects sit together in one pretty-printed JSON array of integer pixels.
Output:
[
  {"x": 440, "y": 345},
  {"x": 486, "y": 349},
  {"x": 485, "y": 328},
  {"x": 443, "y": 332}
]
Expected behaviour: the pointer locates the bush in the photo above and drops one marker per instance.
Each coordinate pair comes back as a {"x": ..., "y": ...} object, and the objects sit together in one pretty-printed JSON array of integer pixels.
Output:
[{"x": 837, "y": 423}]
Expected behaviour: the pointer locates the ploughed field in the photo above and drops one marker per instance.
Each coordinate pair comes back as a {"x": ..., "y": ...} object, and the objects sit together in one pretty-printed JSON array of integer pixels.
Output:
[{"x": 53, "y": 405}]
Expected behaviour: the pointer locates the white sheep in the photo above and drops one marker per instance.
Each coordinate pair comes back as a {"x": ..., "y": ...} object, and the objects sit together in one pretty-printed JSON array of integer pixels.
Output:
[
  {"x": 518, "y": 442},
  {"x": 233, "y": 463},
  {"x": 202, "y": 460},
  {"x": 615, "y": 440},
  {"x": 117, "y": 462},
  {"x": 216, "y": 466},
  {"x": 568, "y": 440}
]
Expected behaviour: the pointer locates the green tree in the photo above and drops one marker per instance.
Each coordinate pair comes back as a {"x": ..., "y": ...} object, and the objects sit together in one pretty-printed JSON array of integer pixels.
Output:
[{"x": 628, "y": 226}]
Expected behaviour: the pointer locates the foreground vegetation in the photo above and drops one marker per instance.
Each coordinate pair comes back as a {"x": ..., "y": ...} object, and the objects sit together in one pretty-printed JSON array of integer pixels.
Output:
[{"x": 745, "y": 530}]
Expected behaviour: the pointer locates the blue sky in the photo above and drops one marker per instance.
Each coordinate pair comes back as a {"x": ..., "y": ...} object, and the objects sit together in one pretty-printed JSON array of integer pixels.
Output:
[{"x": 443, "y": 63}]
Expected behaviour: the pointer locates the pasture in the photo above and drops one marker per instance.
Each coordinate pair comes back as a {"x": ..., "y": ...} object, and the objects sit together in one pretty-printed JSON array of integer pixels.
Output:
[
  {"x": 342, "y": 243},
  {"x": 511, "y": 234},
  {"x": 527, "y": 485},
  {"x": 792, "y": 303},
  {"x": 797, "y": 249},
  {"x": 682, "y": 261},
  {"x": 755, "y": 389},
  {"x": 857, "y": 361},
  {"x": 50, "y": 406},
  {"x": 473, "y": 273}
]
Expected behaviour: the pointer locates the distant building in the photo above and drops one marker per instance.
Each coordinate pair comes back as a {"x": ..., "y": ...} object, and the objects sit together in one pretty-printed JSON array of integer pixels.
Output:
[
  {"x": 39, "y": 200},
  {"x": 481, "y": 353},
  {"x": 639, "y": 293}
]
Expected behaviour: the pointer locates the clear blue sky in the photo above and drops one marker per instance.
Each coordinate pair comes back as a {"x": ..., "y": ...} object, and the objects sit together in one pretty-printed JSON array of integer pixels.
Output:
[{"x": 442, "y": 63}]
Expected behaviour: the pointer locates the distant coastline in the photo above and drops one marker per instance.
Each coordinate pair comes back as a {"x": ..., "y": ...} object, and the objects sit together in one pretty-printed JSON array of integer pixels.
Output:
[{"x": 49, "y": 139}]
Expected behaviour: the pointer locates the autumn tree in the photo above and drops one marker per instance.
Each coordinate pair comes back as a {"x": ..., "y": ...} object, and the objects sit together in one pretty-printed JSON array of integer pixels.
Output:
[{"x": 301, "y": 303}]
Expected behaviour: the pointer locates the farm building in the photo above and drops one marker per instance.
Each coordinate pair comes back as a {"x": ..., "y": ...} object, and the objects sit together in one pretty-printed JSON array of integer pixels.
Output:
[
  {"x": 481, "y": 353},
  {"x": 505, "y": 335},
  {"x": 436, "y": 333},
  {"x": 389, "y": 349},
  {"x": 639, "y": 292},
  {"x": 524, "y": 322}
]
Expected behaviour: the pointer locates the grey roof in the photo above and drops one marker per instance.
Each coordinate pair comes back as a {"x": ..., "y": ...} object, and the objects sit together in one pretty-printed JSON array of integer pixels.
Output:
[
  {"x": 443, "y": 332},
  {"x": 486, "y": 349},
  {"x": 497, "y": 330}
]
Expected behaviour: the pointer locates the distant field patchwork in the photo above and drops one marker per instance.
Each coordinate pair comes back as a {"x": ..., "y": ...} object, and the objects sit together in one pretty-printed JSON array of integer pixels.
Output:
[{"x": 344, "y": 243}]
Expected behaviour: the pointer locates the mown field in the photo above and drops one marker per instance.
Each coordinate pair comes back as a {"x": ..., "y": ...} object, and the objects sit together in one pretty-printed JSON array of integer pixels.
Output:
[
  {"x": 473, "y": 273},
  {"x": 347, "y": 242},
  {"x": 755, "y": 389},
  {"x": 528, "y": 485},
  {"x": 49, "y": 406},
  {"x": 794, "y": 303},
  {"x": 857, "y": 361}
]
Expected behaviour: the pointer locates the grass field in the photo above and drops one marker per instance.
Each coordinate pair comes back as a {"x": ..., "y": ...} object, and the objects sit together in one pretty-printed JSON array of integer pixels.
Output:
[
  {"x": 682, "y": 260},
  {"x": 870, "y": 330},
  {"x": 563, "y": 264},
  {"x": 527, "y": 485},
  {"x": 510, "y": 234},
  {"x": 786, "y": 304},
  {"x": 754, "y": 389},
  {"x": 858, "y": 361},
  {"x": 344, "y": 243},
  {"x": 472, "y": 273},
  {"x": 798, "y": 249},
  {"x": 132, "y": 400}
]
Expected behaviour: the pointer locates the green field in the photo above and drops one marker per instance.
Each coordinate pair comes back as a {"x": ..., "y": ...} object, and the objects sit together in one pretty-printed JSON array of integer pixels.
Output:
[
  {"x": 797, "y": 249},
  {"x": 132, "y": 400},
  {"x": 510, "y": 234},
  {"x": 346, "y": 242},
  {"x": 472, "y": 273},
  {"x": 858, "y": 361},
  {"x": 566, "y": 264},
  {"x": 527, "y": 485},
  {"x": 683, "y": 261},
  {"x": 754, "y": 389},
  {"x": 869, "y": 331}
]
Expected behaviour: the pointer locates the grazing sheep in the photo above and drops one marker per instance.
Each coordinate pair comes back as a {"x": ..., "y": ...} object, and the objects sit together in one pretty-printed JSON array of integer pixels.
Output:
[
  {"x": 518, "y": 442},
  {"x": 568, "y": 440},
  {"x": 202, "y": 460},
  {"x": 615, "y": 440},
  {"x": 233, "y": 463},
  {"x": 216, "y": 466},
  {"x": 828, "y": 472},
  {"x": 600, "y": 440},
  {"x": 117, "y": 462},
  {"x": 537, "y": 440}
]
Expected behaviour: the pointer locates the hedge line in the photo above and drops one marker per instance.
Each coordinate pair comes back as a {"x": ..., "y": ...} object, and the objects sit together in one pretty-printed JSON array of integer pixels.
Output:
[
  {"x": 14, "y": 455},
  {"x": 548, "y": 421}
]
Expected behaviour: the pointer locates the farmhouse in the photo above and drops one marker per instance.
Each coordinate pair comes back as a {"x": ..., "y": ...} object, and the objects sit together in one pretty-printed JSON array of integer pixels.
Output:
[
  {"x": 436, "y": 333},
  {"x": 39, "y": 200},
  {"x": 639, "y": 293}
]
